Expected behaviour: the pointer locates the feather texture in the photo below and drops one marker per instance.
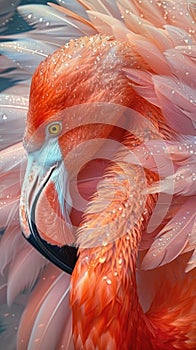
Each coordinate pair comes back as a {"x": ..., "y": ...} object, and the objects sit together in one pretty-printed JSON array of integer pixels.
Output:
[
  {"x": 173, "y": 238},
  {"x": 20, "y": 51},
  {"x": 7, "y": 9},
  {"x": 50, "y": 314},
  {"x": 10, "y": 317},
  {"x": 11, "y": 167},
  {"x": 52, "y": 19},
  {"x": 13, "y": 110},
  {"x": 159, "y": 33},
  {"x": 23, "y": 272},
  {"x": 51, "y": 318},
  {"x": 175, "y": 100},
  {"x": 12, "y": 158},
  {"x": 73, "y": 6},
  {"x": 11, "y": 244},
  {"x": 183, "y": 67},
  {"x": 106, "y": 7},
  {"x": 44, "y": 286}
]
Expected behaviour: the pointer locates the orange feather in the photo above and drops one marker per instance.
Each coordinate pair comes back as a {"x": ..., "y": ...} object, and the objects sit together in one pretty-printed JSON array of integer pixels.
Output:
[{"x": 122, "y": 94}]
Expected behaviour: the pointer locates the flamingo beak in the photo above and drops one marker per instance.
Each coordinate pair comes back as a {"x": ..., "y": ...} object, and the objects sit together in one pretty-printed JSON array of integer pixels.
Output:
[{"x": 45, "y": 205}]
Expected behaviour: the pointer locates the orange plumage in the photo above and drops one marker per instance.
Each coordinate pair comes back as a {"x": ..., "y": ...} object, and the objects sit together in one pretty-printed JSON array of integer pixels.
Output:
[{"x": 110, "y": 143}]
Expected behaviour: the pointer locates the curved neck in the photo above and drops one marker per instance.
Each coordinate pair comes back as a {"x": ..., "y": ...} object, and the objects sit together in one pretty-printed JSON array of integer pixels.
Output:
[
  {"x": 104, "y": 298},
  {"x": 104, "y": 295}
]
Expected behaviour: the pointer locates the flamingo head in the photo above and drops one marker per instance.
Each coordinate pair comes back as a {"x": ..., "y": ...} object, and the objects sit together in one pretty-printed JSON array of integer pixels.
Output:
[{"x": 74, "y": 99}]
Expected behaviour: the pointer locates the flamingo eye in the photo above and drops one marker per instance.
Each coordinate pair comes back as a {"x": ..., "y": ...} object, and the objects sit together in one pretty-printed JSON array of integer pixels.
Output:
[{"x": 55, "y": 128}]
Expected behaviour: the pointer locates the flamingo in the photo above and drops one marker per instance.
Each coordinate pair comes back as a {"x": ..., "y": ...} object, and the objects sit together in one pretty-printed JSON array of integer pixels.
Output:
[{"x": 108, "y": 193}]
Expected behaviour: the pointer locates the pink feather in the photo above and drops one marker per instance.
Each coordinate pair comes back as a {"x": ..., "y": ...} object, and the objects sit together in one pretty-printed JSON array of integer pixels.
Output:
[
  {"x": 12, "y": 243},
  {"x": 48, "y": 304},
  {"x": 43, "y": 287},
  {"x": 191, "y": 264},
  {"x": 47, "y": 312},
  {"x": 172, "y": 239},
  {"x": 52, "y": 317},
  {"x": 176, "y": 103},
  {"x": 66, "y": 339},
  {"x": 184, "y": 66},
  {"x": 24, "y": 271}
]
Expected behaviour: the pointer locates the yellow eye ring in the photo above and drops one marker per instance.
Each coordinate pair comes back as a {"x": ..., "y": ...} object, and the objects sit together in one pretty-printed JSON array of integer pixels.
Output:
[{"x": 55, "y": 128}]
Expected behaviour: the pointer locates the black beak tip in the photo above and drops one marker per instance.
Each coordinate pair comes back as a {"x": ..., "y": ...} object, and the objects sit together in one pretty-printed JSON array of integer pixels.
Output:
[{"x": 63, "y": 257}]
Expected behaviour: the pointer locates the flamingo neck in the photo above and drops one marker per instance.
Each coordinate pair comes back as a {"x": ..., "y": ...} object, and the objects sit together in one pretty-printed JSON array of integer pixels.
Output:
[{"x": 104, "y": 297}]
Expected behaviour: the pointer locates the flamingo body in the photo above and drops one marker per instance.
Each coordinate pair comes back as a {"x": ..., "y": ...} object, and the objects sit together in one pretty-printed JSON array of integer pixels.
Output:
[{"x": 110, "y": 143}]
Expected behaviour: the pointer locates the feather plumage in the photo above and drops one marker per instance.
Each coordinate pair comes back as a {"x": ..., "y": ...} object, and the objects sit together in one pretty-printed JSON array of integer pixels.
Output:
[
  {"x": 173, "y": 238},
  {"x": 13, "y": 110},
  {"x": 48, "y": 310},
  {"x": 175, "y": 99},
  {"x": 73, "y": 6},
  {"x": 46, "y": 281},
  {"x": 23, "y": 272},
  {"x": 11, "y": 244},
  {"x": 52, "y": 19},
  {"x": 20, "y": 51},
  {"x": 7, "y": 9},
  {"x": 159, "y": 32},
  {"x": 52, "y": 317},
  {"x": 9, "y": 320}
]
